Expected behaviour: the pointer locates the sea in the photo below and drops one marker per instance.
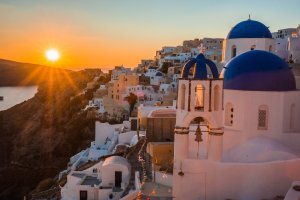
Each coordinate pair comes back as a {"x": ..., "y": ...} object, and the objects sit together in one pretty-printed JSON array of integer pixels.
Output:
[{"x": 15, "y": 95}]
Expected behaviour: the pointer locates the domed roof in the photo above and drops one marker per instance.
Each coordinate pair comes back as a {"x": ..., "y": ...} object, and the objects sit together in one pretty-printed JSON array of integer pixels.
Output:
[
  {"x": 199, "y": 63},
  {"x": 249, "y": 29},
  {"x": 258, "y": 71}
]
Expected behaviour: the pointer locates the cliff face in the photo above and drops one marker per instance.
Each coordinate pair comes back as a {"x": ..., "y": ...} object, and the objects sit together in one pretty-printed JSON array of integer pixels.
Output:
[
  {"x": 38, "y": 136},
  {"x": 14, "y": 73}
]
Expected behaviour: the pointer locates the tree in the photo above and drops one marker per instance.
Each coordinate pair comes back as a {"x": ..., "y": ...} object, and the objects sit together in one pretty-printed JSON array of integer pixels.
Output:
[{"x": 131, "y": 99}]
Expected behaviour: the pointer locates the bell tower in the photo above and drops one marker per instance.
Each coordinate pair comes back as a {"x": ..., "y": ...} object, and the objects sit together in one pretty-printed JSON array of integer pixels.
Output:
[{"x": 200, "y": 96}]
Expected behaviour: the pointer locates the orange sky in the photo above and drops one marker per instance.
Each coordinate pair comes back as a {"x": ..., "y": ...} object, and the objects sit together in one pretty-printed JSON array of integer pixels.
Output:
[
  {"x": 76, "y": 50},
  {"x": 106, "y": 33}
]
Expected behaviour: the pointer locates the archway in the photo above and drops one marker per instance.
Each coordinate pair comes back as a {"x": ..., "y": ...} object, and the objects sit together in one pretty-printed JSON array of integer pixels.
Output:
[
  {"x": 198, "y": 138},
  {"x": 216, "y": 97},
  {"x": 233, "y": 51},
  {"x": 182, "y": 96},
  {"x": 199, "y": 97}
]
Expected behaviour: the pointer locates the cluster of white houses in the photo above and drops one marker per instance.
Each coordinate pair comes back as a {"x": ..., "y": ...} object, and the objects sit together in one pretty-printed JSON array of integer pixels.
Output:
[{"x": 228, "y": 135}]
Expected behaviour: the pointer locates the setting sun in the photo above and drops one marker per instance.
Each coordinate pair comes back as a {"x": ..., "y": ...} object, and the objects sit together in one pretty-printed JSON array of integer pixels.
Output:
[{"x": 52, "y": 55}]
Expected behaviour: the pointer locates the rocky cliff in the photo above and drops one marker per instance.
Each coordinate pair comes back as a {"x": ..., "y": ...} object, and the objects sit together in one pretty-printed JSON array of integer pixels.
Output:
[{"x": 38, "y": 136}]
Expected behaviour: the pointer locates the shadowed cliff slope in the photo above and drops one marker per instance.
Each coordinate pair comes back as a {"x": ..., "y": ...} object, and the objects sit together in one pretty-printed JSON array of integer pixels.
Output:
[{"x": 38, "y": 136}]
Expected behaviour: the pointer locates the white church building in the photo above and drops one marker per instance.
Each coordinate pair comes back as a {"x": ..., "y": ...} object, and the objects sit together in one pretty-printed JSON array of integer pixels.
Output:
[{"x": 237, "y": 136}]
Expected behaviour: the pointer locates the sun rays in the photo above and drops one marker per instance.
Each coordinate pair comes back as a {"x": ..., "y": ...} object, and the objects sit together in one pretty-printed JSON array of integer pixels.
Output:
[{"x": 52, "y": 79}]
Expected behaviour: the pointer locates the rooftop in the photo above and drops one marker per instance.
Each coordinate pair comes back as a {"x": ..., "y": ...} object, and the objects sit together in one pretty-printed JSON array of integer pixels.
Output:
[
  {"x": 78, "y": 175},
  {"x": 258, "y": 71},
  {"x": 162, "y": 113},
  {"x": 116, "y": 160},
  {"x": 249, "y": 29},
  {"x": 90, "y": 180}
]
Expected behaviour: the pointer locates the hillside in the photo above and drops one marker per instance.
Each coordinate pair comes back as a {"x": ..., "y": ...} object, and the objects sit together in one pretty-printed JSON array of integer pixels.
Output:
[
  {"x": 38, "y": 136},
  {"x": 15, "y": 73}
]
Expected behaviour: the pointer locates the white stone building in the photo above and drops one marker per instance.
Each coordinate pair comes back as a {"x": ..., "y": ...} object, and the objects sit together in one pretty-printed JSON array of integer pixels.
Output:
[
  {"x": 108, "y": 178},
  {"x": 240, "y": 142},
  {"x": 118, "y": 70},
  {"x": 105, "y": 180},
  {"x": 156, "y": 77},
  {"x": 288, "y": 46},
  {"x": 284, "y": 33},
  {"x": 177, "y": 58}
]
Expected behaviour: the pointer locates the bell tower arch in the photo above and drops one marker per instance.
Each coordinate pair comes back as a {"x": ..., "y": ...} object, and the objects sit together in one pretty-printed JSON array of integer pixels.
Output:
[{"x": 203, "y": 98}]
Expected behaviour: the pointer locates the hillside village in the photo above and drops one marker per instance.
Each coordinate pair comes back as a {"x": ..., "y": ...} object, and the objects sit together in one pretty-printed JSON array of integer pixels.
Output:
[{"x": 166, "y": 128}]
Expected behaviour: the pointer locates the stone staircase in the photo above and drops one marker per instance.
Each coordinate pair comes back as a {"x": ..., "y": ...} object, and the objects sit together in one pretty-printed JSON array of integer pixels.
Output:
[
  {"x": 135, "y": 166},
  {"x": 146, "y": 163},
  {"x": 140, "y": 161}
]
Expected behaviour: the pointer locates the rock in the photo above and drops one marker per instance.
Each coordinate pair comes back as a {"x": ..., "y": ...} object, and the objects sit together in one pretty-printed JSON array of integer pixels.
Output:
[{"x": 37, "y": 137}]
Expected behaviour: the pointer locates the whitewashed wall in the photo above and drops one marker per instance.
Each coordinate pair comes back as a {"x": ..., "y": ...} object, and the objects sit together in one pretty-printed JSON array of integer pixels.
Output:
[
  {"x": 244, "y": 44},
  {"x": 219, "y": 181}
]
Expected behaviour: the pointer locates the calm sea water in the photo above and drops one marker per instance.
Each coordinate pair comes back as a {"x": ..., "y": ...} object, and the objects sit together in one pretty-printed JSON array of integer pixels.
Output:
[{"x": 15, "y": 95}]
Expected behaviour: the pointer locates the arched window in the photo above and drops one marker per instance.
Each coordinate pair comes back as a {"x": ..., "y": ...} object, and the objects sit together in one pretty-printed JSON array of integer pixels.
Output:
[
  {"x": 233, "y": 51},
  {"x": 199, "y": 97},
  {"x": 228, "y": 114},
  {"x": 252, "y": 47},
  {"x": 182, "y": 99},
  {"x": 270, "y": 48},
  {"x": 263, "y": 113},
  {"x": 292, "y": 117},
  {"x": 216, "y": 97}
]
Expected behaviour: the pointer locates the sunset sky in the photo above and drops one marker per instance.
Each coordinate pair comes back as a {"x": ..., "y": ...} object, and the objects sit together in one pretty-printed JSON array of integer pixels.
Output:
[{"x": 105, "y": 33}]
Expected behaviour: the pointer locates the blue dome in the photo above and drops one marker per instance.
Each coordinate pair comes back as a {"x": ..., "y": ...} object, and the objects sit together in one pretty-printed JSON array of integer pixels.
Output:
[
  {"x": 199, "y": 63},
  {"x": 249, "y": 29},
  {"x": 158, "y": 74},
  {"x": 258, "y": 71}
]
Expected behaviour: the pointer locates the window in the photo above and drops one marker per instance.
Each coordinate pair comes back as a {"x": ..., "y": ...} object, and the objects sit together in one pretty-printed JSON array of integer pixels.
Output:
[
  {"x": 182, "y": 98},
  {"x": 263, "y": 117},
  {"x": 233, "y": 51},
  {"x": 228, "y": 114},
  {"x": 199, "y": 97},
  {"x": 252, "y": 47},
  {"x": 216, "y": 97},
  {"x": 270, "y": 48}
]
